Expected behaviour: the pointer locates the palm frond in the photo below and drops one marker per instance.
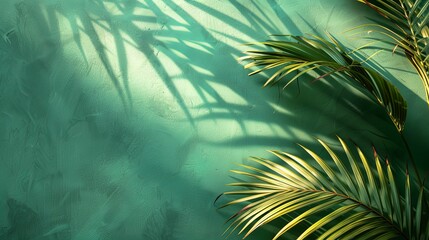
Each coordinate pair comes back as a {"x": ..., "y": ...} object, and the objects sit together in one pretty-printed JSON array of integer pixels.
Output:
[
  {"x": 409, "y": 31},
  {"x": 329, "y": 198},
  {"x": 306, "y": 55}
]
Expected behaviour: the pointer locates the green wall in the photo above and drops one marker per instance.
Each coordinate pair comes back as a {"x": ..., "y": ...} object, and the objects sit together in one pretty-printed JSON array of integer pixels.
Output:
[{"x": 120, "y": 119}]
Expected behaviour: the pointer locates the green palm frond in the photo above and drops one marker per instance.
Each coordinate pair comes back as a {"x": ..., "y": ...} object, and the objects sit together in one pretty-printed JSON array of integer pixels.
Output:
[
  {"x": 318, "y": 55},
  {"x": 356, "y": 198},
  {"x": 410, "y": 31}
]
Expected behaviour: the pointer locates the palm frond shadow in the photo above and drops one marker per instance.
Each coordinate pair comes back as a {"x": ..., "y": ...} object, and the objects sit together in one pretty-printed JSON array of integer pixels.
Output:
[
  {"x": 249, "y": 139},
  {"x": 121, "y": 24},
  {"x": 148, "y": 41},
  {"x": 86, "y": 21}
]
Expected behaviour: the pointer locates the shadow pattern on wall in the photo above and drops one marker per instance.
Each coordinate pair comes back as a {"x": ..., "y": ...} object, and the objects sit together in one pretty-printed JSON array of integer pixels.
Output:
[{"x": 71, "y": 157}]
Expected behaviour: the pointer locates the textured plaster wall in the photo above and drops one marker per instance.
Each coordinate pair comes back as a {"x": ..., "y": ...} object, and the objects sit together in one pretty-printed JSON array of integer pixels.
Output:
[{"x": 121, "y": 119}]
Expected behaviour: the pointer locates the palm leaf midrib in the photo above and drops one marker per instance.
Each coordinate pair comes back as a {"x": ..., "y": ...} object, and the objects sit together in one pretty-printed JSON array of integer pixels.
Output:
[
  {"x": 360, "y": 203},
  {"x": 346, "y": 197},
  {"x": 306, "y": 55},
  {"x": 413, "y": 35},
  {"x": 408, "y": 32},
  {"x": 354, "y": 199}
]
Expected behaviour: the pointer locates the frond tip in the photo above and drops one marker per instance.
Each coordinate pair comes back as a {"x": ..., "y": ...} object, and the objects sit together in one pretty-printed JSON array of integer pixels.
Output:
[
  {"x": 324, "y": 58},
  {"x": 408, "y": 29},
  {"x": 329, "y": 198}
]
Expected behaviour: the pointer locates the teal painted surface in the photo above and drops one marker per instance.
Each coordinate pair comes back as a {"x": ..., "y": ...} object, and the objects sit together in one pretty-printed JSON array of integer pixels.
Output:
[{"x": 121, "y": 119}]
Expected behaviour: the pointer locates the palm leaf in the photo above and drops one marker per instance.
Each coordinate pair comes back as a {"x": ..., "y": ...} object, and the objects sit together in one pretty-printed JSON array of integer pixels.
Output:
[
  {"x": 409, "y": 30},
  {"x": 316, "y": 54},
  {"x": 329, "y": 198}
]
